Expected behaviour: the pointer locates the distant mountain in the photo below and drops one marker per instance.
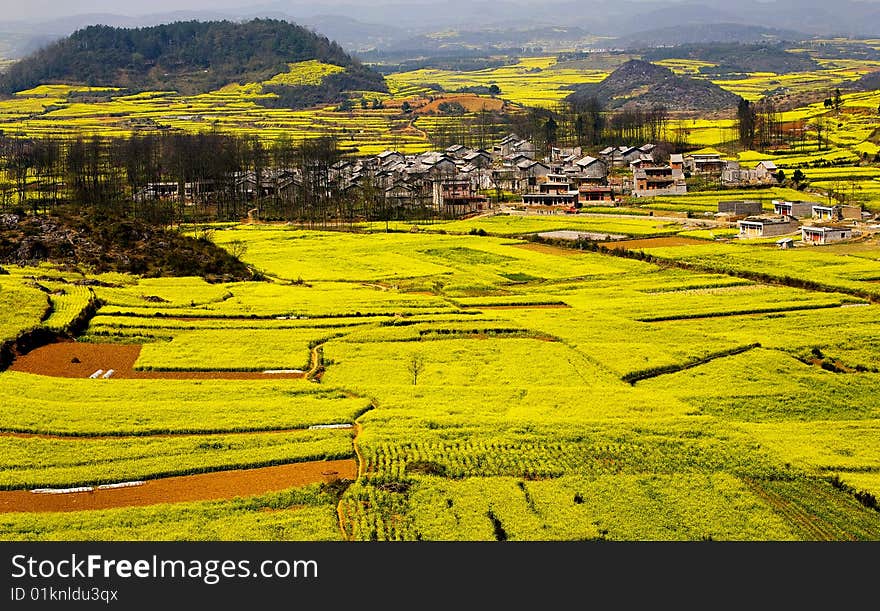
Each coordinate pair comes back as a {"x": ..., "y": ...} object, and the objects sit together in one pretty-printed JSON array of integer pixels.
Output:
[
  {"x": 359, "y": 25},
  {"x": 191, "y": 57},
  {"x": 643, "y": 84},
  {"x": 545, "y": 37},
  {"x": 738, "y": 58},
  {"x": 354, "y": 34},
  {"x": 700, "y": 33}
]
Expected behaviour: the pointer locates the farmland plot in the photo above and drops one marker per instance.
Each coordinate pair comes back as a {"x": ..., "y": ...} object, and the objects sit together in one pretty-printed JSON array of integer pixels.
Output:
[{"x": 480, "y": 387}]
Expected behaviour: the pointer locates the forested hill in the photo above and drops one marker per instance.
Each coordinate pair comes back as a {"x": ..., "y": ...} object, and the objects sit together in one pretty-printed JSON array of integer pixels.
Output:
[
  {"x": 189, "y": 57},
  {"x": 639, "y": 83}
]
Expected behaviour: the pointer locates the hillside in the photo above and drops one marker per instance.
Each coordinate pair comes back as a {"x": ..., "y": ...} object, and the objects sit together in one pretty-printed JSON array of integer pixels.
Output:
[
  {"x": 642, "y": 84},
  {"x": 192, "y": 57},
  {"x": 869, "y": 82},
  {"x": 739, "y": 58},
  {"x": 113, "y": 245}
]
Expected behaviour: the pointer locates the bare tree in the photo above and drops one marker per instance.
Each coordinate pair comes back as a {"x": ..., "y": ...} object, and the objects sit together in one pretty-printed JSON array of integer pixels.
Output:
[
  {"x": 237, "y": 248},
  {"x": 415, "y": 366}
]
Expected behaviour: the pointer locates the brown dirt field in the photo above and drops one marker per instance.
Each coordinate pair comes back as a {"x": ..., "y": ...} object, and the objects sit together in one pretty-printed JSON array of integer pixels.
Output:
[
  {"x": 470, "y": 102},
  {"x": 188, "y": 488},
  {"x": 56, "y": 360},
  {"x": 550, "y": 250},
  {"x": 653, "y": 243}
]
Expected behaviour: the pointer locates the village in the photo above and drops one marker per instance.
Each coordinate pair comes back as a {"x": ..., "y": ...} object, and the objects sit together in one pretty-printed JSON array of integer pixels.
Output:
[{"x": 460, "y": 182}]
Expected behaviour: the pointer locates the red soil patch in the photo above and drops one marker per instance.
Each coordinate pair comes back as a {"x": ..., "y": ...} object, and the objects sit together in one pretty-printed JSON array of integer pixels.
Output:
[
  {"x": 470, "y": 102},
  {"x": 653, "y": 243},
  {"x": 60, "y": 361},
  {"x": 188, "y": 488}
]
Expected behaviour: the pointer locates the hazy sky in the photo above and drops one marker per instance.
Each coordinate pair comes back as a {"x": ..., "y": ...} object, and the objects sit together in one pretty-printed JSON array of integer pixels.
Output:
[{"x": 47, "y": 9}]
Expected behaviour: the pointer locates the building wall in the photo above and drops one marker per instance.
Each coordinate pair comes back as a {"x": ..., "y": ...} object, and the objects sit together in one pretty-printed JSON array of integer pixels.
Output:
[
  {"x": 775, "y": 229},
  {"x": 825, "y": 237},
  {"x": 799, "y": 210},
  {"x": 740, "y": 208},
  {"x": 766, "y": 230},
  {"x": 674, "y": 190}
]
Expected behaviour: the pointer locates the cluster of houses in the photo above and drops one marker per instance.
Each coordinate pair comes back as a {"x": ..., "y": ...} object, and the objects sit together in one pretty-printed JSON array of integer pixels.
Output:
[
  {"x": 455, "y": 182},
  {"x": 818, "y": 223}
]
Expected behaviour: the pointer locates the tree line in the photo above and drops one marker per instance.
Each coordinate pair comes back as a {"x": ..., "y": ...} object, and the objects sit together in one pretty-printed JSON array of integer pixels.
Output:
[
  {"x": 586, "y": 124},
  {"x": 180, "y": 178},
  {"x": 759, "y": 126}
]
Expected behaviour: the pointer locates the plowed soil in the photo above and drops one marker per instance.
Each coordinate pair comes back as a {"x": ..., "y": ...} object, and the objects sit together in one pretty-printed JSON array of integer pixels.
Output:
[
  {"x": 188, "y": 488},
  {"x": 470, "y": 102},
  {"x": 81, "y": 360}
]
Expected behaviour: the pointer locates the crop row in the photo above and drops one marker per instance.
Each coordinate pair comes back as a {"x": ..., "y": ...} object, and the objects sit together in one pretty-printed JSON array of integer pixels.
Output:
[
  {"x": 37, "y": 463},
  {"x": 39, "y": 404}
]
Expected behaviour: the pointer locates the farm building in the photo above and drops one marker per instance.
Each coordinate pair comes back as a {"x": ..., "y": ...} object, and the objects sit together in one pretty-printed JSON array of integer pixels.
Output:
[
  {"x": 400, "y": 196},
  {"x": 644, "y": 161},
  {"x": 704, "y": 163},
  {"x": 825, "y": 213},
  {"x": 825, "y": 234},
  {"x": 554, "y": 184},
  {"x": 836, "y": 213},
  {"x": 479, "y": 158},
  {"x": 766, "y": 171},
  {"x": 659, "y": 180},
  {"x": 797, "y": 209},
  {"x": 766, "y": 226},
  {"x": 389, "y": 157},
  {"x": 455, "y": 197},
  {"x": 530, "y": 173},
  {"x": 676, "y": 161},
  {"x": 588, "y": 193},
  {"x": 735, "y": 175},
  {"x": 551, "y": 200},
  {"x": 851, "y": 212},
  {"x": 740, "y": 207},
  {"x": 590, "y": 167},
  {"x": 628, "y": 154},
  {"x": 622, "y": 156},
  {"x": 512, "y": 145},
  {"x": 565, "y": 154}
]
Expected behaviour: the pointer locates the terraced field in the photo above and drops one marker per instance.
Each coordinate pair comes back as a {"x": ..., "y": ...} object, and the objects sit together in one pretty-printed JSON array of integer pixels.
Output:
[
  {"x": 375, "y": 122},
  {"x": 405, "y": 386}
]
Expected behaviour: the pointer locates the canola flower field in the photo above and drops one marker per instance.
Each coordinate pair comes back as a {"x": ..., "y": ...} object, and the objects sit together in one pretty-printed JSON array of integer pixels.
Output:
[
  {"x": 488, "y": 388},
  {"x": 539, "y": 81}
]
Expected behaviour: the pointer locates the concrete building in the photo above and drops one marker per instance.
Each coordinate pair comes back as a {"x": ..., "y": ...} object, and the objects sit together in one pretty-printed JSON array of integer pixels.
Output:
[
  {"x": 740, "y": 208},
  {"x": 766, "y": 226},
  {"x": 825, "y": 234},
  {"x": 796, "y": 209}
]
